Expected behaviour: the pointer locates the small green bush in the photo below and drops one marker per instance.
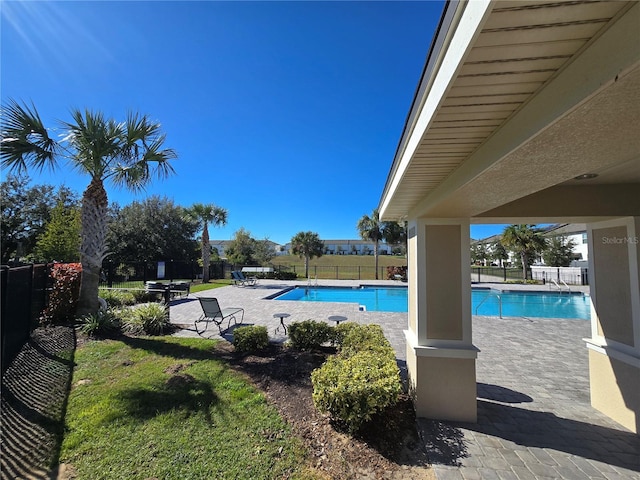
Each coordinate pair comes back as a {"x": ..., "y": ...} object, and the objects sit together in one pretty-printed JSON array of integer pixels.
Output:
[
  {"x": 142, "y": 296},
  {"x": 351, "y": 389},
  {"x": 341, "y": 330},
  {"x": 117, "y": 298},
  {"x": 250, "y": 339},
  {"x": 309, "y": 334},
  {"x": 147, "y": 318},
  {"x": 366, "y": 337},
  {"x": 102, "y": 323}
]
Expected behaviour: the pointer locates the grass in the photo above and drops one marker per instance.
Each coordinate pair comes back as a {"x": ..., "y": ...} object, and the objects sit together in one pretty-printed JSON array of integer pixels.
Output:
[
  {"x": 342, "y": 261},
  {"x": 166, "y": 408}
]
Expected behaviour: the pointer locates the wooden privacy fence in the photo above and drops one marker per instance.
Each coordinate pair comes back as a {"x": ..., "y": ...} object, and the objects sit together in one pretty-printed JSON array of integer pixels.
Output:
[{"x": 23, "y": 293}]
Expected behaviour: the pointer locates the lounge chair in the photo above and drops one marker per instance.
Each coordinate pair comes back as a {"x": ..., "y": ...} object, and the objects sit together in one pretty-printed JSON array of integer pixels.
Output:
[
  {"x": 239, "y": 279},
  {"x": 211, "y": 312}
]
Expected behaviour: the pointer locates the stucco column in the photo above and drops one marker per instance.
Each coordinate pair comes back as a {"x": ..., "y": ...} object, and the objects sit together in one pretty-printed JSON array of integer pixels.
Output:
[
  {"x": 440, "y": 354},
  {"x": 614, "y": 346}
]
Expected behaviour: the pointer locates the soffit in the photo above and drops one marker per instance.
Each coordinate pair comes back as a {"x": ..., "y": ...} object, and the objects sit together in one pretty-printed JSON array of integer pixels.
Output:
[{"x": 521, "y": 47}]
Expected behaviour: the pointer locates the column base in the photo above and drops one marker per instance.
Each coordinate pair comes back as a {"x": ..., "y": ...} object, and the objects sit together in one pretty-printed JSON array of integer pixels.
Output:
[
  {"x": 442, "y": 381},
  {"x": 615, "y": 385}
]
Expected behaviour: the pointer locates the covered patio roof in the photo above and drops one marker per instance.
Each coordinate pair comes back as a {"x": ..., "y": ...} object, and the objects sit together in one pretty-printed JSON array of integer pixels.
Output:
[{"x": 518, "y": 99}]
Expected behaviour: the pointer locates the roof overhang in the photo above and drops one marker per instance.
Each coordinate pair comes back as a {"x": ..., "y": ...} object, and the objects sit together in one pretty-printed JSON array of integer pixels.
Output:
[{"x": 517, "y": 99}]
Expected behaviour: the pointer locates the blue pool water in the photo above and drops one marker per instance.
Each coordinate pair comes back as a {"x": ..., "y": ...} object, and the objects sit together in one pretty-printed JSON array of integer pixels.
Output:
[{"x": 483, "y": 301}]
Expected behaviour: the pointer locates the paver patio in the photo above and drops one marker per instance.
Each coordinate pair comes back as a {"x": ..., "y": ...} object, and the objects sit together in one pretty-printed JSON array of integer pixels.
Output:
[{"x": 534, "y": 416}]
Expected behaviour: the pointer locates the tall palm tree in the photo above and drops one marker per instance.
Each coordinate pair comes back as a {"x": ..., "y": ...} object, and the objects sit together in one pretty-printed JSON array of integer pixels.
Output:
[
  {"x": 129, "y": 154},
  {"x": 307, "y": 245},
  {"x": 204, "y": 214},
  {"x": 371, "y": 228},
  {"x": 524, "y": 240}
]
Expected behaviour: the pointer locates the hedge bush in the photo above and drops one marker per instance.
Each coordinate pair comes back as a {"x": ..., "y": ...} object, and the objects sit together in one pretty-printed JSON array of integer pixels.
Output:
[
  {"x": 362, "y": 379},
  {"x": 65, "y": 292},
  {"x": 309, "y": 334},
  {"x": 352, "y": 389},
  {"x": 117, "y": 298},
  {"x": 250, "y": 338}
]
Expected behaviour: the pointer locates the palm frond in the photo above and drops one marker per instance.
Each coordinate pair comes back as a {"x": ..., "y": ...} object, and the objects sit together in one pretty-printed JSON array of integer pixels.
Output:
[{"x": 24, "y": 140}]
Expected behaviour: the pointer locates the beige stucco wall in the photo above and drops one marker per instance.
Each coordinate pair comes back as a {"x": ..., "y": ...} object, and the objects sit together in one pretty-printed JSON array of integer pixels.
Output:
[
  {"x": 612, "y": 297},
  {"x": 443, "y": 282},
  {"x": 443, "y": 388},
  {"x": 615, "y": 389}
]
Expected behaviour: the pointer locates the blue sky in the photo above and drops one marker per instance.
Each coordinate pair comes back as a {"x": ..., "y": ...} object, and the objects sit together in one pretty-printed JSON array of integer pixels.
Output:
[{"x": 287, "y": 114}]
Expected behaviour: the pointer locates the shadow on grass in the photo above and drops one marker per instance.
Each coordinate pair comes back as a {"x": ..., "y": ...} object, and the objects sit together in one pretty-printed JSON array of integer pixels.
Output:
[
  {"x": 166, "y": 349},
  {"x": 35, "y": 390},
  {"x": 180, "y": 392}
]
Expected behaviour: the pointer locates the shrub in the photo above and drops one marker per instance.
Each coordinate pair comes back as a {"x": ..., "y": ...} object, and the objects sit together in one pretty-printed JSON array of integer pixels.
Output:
[
  {"x": 142, "y": 296},
  {"x": 285, "y": 275},
  {"x": 309, "y": 334},
  {"x": 117, "y": 298},
  {"x": 102, "y": 323},
  {"x": 147, "y": 318},
  {"x": 341, "y": 330},
  {"x": 393, "y": 271},
  {"x": 250, "y": 338},
  {"x": 366, "y": 337},
  {"x": 65, "y": 291},
  {"x": 351, "y": 389}
]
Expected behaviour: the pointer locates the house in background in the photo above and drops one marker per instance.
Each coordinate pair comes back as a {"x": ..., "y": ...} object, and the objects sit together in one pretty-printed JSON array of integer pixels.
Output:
[
  {"x": 349, "y": 247},
  {"x": 526, "y": 112}
]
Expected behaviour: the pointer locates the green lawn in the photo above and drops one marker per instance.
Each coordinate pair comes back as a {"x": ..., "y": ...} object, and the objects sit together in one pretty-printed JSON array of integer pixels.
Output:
[
  {"x": 342, "y": 261},
  {"x": 165, "y": 408}
]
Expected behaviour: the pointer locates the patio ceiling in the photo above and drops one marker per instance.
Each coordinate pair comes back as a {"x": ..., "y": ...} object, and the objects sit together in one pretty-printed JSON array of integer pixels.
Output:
[{"x": 517, "y": 99}]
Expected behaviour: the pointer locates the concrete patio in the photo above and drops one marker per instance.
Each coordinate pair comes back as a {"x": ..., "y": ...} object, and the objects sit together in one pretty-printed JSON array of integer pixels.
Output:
[{"x": 534, "y": 416}]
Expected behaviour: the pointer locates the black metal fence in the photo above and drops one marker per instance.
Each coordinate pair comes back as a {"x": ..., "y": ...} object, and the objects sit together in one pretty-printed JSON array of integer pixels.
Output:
[
  {"x": 124, "y": 274},
  {"x": 23, "y": 293},
  {"x": 335, "y": 272}
]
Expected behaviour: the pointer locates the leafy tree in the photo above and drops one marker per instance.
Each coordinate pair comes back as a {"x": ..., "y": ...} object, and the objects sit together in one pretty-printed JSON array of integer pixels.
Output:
[
  {"x": 371, "y": 228},
  {"x": 204, "y": 214},
  {"x": 240, "y": 250},
  {"x": 395, "y": 233},
  {"x": 479, "y": 253},
  {"x": 127, "y": 153},
  {"x": 25, "y": 213},
  {"x": 61, "y": 238},
  {"x": 498, "y": 253},
  {"x": 559, "y": 252},
  {"x": 263, "y": 251},
  {"x": 152, "y": 230},
  {"x": 307, "y": 245},
  {"x": 526, "y": 241}
]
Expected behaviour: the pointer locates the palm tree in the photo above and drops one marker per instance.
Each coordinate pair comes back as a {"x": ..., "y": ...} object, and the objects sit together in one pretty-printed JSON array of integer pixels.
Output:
[
  {"x": 204, "y": 214},
  {"x": 129, "y": 154},
  {"x": 371, "y": 228},
  {"x": 307, "y": 245},
  {"x": 524, "y": 240}
]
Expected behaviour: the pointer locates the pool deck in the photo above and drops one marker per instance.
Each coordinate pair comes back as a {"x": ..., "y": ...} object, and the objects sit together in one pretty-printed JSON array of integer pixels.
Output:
[{"x": 534, "y": 416}]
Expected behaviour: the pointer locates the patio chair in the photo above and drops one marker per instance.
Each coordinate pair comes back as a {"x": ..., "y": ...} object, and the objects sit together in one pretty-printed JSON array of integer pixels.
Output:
[
  {"x": 239, "y": 279},
  {"x": 248, "y": 280},
  {"x": 211, "y": 312}
]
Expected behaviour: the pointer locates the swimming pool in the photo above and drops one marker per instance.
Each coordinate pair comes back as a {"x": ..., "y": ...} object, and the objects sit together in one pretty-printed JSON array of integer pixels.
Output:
[{"x": 484, "y": 301}]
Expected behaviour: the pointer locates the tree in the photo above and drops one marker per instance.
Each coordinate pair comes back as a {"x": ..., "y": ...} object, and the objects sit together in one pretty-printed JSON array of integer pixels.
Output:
[
  {"x": 263, "y": 251},
  {"x": 524, "y": 240},
  {"x": 479, "y": 253},
  {"x": 152, "y": 230},
  {"x": 25, "y": 213},
  {"x": 498, "y": 253},
  {"x": 61, "y": 238},
  {"x": 559, "y": 252},
  {"x": 307, "y": 245},
  {"x": 395, "y": 233},
  {"x": 128, "y": 153},
  {"x": 204, "y": 214},
  {"x": 240, "y": 250},
  {"x": 371, "y": 228}
]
